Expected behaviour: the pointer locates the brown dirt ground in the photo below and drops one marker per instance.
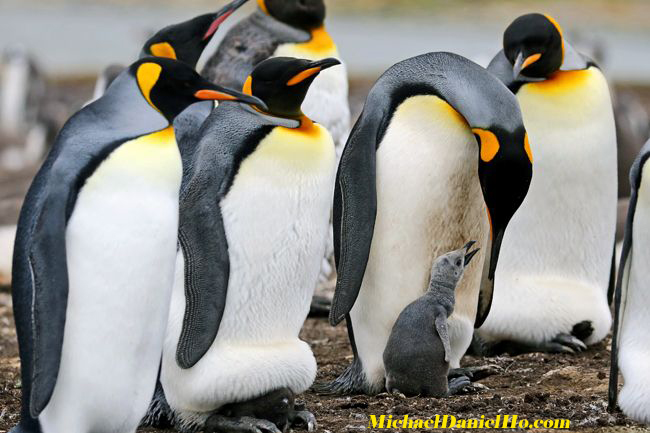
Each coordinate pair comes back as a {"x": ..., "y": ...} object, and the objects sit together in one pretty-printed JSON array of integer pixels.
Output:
[{"x": 532, "y": 386}]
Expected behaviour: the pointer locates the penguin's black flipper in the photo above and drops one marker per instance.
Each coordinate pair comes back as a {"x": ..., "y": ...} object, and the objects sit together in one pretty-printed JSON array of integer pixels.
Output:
[
  {"x": 202, "y": 235},
  {"x": 47, "y": 260},
  {"x": 202, "y": 239},
  {"x": 624, "y": 272},
  {"x": 355, "y": 207}
]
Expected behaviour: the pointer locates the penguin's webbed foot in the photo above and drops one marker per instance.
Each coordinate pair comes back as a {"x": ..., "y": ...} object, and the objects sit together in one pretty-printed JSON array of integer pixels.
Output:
[
  {"x": 474, "y": 373},
  {"x": 462, "y": 385},
  {"x": 222, "y": 424},
  {"x": 302, "y": 418},
  {"x": 563, "y": 343}
]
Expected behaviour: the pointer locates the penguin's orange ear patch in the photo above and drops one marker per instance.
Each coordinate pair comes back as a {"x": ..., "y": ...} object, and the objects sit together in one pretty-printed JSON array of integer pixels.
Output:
[
  {"x": 262, "y": 6},
  {"x": 488, "y": 142},
  {"x": 299, "y": 78},
  {"x": 147, "y": 76},
  {"x": 559, "y": 30},
  {"x": 248, "y": 86},
  {"x": 527, "y": 148},
  {"x": 163, "y": 49}
]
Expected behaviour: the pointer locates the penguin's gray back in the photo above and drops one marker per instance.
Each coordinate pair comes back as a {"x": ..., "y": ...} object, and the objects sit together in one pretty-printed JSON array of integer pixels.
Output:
[{"x": 414, "y": 357}]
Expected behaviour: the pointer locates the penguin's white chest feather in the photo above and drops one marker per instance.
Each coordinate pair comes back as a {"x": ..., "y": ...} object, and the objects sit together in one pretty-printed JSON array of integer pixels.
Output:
[
  {"x": 555, "y": 259},
  {"x": 275, "y": 216},
  {"x": 429, "y": 202},
  {"x": 121, "y": 246},
  {"x": 634, "y": 341}
]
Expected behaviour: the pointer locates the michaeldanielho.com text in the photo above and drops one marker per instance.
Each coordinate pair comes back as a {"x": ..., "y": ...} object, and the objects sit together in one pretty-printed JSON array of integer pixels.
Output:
[{"x": 450, "y": 421}]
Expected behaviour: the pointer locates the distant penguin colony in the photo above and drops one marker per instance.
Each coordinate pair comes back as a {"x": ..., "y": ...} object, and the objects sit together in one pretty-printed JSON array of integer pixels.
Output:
[
  {"x": 168, "y": 248},
  {"x": 556, "y": 267}
]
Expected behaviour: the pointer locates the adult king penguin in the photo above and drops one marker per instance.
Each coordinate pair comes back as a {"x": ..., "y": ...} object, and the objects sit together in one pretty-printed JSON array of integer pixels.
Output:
[
  {"x": 95, "y": 252},
  {"x": 408, "y": 190},
  {"x": 291, "y": 28},
  {"x": 254, "y": 217},
  {"x": 556, "y": 266},
  {"x": 631, "y": 342}
]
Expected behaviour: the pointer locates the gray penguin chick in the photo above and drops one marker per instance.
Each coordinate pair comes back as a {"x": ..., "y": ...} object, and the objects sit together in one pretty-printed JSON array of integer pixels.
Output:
[{"x": 416, "y": 358}]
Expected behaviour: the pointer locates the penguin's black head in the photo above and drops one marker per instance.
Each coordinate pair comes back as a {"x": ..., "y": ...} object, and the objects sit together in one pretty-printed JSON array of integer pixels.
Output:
[
  {"x": 505, "y": 172},
  {"x": 282, "y": 83},
  {"x": 170, "y": 86},
  {"x": 187, "y": 40},
  {"x": 302, "y": 14},
  {"x": 534, "y": 46}
]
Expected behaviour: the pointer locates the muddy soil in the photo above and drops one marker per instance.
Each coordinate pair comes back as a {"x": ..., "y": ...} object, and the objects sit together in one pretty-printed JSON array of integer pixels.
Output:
[{"x": 532, "y": 386}]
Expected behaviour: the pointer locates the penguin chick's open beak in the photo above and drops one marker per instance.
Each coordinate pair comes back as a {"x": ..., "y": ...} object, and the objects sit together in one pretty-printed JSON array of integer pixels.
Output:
[
  {"x": 222, "y": 16},
  {"x": 469, "y": 255},
  {"x": 218, "y": 93},
  {"x": 313, "y": 68},
  {"x": 522, "y": 63}
]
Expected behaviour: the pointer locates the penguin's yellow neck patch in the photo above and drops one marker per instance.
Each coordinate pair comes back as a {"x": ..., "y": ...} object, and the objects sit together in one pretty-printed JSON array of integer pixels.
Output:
[
  {"x": 306, "y": 148},
  {"x": 163, "y": 49},
  {"x": 320, "y": 45},
  {"x": 147, "y": 76},
  {"x": 562, "y": 81}
]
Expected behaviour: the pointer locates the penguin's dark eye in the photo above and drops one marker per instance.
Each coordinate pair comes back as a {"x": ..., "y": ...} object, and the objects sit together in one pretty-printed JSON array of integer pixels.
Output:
[{"x": 458, "y": 262}]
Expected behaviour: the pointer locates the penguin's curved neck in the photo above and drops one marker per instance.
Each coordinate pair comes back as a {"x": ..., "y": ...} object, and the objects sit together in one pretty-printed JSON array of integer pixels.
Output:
[{"x": 274, "y": 26}]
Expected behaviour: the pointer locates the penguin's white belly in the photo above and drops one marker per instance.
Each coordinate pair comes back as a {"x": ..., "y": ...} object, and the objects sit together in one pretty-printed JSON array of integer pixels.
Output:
[
  {"x": 275, "y": 216},
  {"x": 555, "y": 260},
  {"x": 121, "y": 245},
  {"x": 634, "y": 340},
  {"x": 429, "y": 202}
]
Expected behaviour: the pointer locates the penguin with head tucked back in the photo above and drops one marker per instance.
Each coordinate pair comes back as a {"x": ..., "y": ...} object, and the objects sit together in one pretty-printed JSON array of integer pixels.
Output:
[
  {"x": 631, "y": 342},
  {"x": 254, "y": 218},
  {"x": 554, "y": 274},
  {"x": 94, "y": 254},
  {"x": 408, "y": 189}
]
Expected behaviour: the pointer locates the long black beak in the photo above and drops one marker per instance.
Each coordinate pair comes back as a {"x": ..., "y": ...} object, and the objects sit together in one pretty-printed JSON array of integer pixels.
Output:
[
  {"x": 469, "y": 255},
  {"x": 325, "y": 63},
  {"x": 221, "y": 16},
  {"x": 209, "y": 91},
  {"x": 487, "y": 280},
  {"x": 312, "y": 69},
  {"x": 518, "y": 66}
]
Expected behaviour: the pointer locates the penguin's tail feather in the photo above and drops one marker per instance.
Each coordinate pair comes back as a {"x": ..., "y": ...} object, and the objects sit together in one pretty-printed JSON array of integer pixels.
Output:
[
  {"x": 352, "y": 381},
  {"x": 159, "y": 414}
]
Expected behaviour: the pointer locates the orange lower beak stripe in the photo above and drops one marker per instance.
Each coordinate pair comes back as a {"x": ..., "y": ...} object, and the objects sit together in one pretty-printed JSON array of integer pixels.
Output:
[
  {"x": 214, "y": 95},
  {"x": 530, "y": 60},
  {"x": 303, "y": 76}
]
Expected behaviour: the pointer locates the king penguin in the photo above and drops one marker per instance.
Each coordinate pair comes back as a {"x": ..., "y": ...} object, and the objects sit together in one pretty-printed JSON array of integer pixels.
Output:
[
  {"x": 95, "y": 252},
  {"x": 292, "y": 28},
  {"x": 631, "y": 342},
  {"x": 254, "y": 217},
  {"x": 556, "y": 268},
  {"x": 439, "y": 155}
]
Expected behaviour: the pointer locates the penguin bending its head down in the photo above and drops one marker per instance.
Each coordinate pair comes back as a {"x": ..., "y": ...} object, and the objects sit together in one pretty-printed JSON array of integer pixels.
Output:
[
  {"x": 253, "y": 222},
  {"x": 417, "y": 354},
  {"x": 545, "y": 300},
  {"x": 95, "y": 250},
  {"x": 631, "y": 342},
  {"x": 408, "y": 189}
]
